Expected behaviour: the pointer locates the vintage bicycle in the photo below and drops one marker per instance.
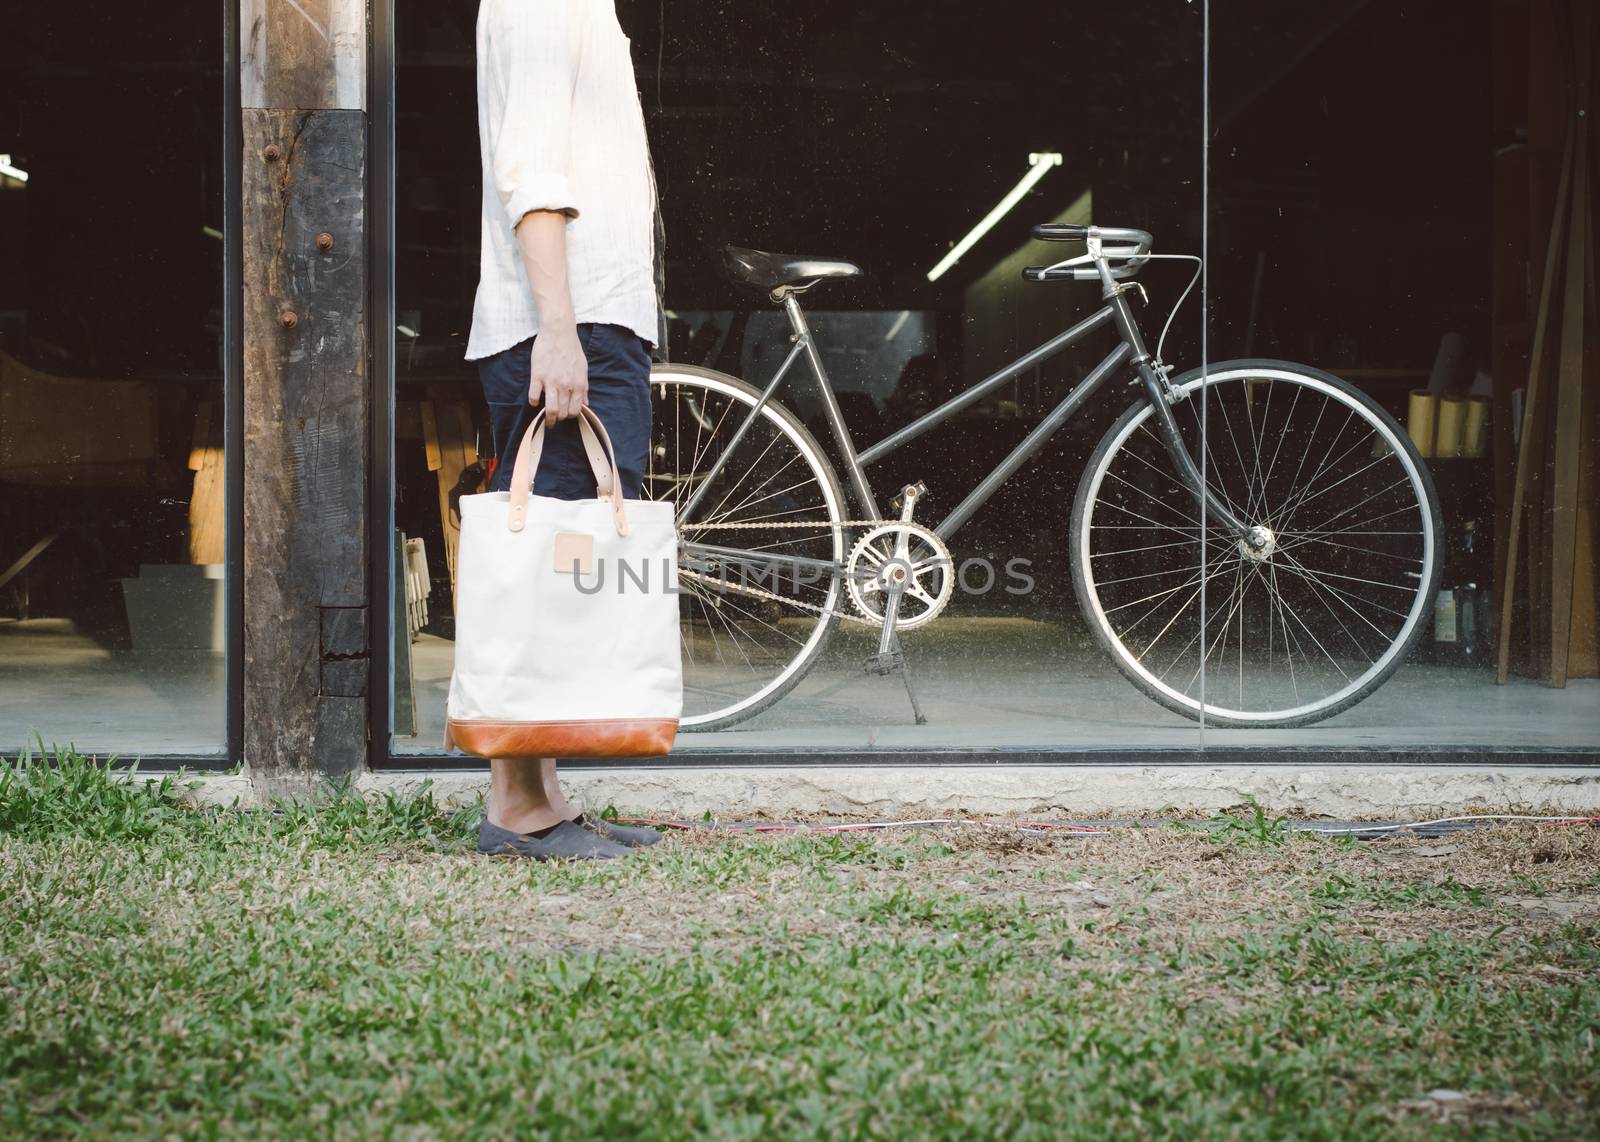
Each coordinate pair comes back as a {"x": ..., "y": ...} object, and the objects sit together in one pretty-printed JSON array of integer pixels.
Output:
[{"x": 1255, "y": 543}]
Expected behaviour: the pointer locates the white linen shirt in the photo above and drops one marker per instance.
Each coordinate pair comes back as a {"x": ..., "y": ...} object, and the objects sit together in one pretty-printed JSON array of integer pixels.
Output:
[{"x": 560, "y": 128}]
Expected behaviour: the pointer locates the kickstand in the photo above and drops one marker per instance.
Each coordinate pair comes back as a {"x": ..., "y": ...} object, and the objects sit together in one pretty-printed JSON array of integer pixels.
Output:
[
  {"x": 891, "y": 659},
  {"x": 905, "y": 676}
]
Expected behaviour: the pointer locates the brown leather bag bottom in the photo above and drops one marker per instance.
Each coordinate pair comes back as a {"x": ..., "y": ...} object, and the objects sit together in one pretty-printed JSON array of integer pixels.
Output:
[{"x": 606, "y": 737}]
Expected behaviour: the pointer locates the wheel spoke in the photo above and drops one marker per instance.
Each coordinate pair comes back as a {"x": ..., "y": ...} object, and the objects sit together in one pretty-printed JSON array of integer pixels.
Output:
[
  {"x": 1293, "y": 566},
  {"x": 749, "y": 627}
]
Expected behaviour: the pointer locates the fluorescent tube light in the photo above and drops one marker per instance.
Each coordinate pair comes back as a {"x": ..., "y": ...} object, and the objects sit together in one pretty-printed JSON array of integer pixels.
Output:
[
  {"x": 10, "y": 171},
  {"x": 1039, "y": 165}
]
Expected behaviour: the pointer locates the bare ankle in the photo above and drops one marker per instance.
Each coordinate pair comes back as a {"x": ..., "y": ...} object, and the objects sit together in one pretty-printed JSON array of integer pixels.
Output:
[
  {"x": 524, "y": 795},
  {"x": 522, "y": 818}
]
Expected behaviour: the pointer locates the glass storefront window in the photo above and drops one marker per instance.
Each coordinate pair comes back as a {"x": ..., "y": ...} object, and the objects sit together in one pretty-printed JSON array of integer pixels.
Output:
[
  {"x": 1376, "y": 222},
  {"x": 112, "y": 497},
  {"x": 862, "y": 136},
  {"x": 1375, "y": 239}
]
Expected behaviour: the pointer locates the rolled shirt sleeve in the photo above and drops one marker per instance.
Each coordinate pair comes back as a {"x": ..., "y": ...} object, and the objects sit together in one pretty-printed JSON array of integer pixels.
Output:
[{"x": 536, "y": 45}]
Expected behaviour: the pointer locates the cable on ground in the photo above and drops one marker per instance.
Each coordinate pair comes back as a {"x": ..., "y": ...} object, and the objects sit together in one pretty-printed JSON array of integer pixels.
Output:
[{"x": 1105, "y": 828}]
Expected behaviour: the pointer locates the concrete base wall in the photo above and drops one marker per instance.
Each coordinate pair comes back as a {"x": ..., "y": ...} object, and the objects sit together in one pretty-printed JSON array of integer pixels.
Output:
[{"x": 1062, "y": 791}]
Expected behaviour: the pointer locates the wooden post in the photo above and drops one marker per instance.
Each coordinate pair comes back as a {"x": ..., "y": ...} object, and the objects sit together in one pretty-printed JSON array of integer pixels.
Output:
[{"x": 306, "y": 646}]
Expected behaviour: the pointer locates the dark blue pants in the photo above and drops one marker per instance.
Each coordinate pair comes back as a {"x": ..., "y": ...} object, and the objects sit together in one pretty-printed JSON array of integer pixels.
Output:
[{"x": 619, "y": 394}]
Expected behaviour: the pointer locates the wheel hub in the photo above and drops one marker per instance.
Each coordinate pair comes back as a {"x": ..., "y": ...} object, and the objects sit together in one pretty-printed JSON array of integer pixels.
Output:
[{"x": 1258, "y": 543}]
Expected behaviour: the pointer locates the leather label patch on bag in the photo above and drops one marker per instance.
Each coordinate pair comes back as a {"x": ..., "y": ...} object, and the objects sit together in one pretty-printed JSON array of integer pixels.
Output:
[{"x": 574, "y": 552}]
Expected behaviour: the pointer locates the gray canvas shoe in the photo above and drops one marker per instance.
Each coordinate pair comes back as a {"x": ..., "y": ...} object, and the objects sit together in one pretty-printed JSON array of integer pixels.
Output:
[
  {"x": 567, "y": 841},
  {"x": 630, "y": 835}
]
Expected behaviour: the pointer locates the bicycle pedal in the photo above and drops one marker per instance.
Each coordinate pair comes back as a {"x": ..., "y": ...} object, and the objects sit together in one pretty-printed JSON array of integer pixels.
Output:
[
  {"x": 881, "y": 664},
  {"x": 899, "y": 499}
]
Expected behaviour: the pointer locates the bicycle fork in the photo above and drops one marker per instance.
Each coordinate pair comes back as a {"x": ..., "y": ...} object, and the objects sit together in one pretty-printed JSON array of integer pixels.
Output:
[
  {"x": 1162, "y": 397},
  {"x": 1256, "y": 537}
]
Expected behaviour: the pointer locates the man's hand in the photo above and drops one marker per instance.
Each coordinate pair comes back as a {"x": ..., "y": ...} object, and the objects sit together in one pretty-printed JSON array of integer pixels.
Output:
[{"x": 560, "y": 373}]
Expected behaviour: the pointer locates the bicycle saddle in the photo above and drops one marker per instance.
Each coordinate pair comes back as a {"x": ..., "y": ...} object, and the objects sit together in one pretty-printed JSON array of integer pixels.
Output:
[{"x": 765, "y": 271}]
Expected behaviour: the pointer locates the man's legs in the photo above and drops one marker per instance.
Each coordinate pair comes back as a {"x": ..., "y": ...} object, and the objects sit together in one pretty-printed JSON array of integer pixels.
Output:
[{"x": 525, "y": 794}]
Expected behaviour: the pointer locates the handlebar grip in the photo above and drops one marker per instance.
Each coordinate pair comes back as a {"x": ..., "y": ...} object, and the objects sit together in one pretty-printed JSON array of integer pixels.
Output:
[
  {"x": 1060, "y": 232},
  {"x": 1046, "y": 274}
]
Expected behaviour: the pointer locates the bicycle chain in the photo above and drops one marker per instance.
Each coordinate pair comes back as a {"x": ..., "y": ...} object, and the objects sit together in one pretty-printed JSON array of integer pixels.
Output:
[
  {"x": 795, "y": 523},
  {"x": 761, "y": 593}
]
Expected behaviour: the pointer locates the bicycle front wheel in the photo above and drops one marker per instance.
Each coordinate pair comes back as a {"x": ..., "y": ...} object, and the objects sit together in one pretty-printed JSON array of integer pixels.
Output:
[
  {"x": 1284, "y": 634},
  {"x": 760, "y": 561}
]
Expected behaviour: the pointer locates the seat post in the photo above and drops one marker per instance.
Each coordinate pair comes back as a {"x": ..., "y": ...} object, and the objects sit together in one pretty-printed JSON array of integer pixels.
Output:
[{"x": 797, "y": 317}]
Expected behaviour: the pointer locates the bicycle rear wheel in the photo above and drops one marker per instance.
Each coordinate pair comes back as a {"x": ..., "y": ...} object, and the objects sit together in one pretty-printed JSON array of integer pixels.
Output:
[
  {"x": 760, "y": 560},
  {"x": 1294, "y": 632}
]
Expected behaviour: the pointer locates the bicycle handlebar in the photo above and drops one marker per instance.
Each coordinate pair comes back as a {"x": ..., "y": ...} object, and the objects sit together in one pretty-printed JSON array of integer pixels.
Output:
[
  {"x": 1087, "y": 266},
  {"x": 1060, "y": 232}
]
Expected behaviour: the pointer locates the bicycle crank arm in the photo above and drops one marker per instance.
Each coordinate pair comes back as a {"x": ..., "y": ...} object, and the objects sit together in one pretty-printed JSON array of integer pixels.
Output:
[{"x": 891, "y": 613}]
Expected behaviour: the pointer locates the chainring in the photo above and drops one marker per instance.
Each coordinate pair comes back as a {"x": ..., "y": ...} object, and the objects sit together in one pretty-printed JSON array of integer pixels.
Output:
[{"x": 911, "y": 554}]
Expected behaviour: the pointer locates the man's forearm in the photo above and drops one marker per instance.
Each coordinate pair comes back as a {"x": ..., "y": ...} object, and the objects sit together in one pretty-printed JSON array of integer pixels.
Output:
[
  {"x": 558, "y": 378},
  {"x": 542, "y": 238}
]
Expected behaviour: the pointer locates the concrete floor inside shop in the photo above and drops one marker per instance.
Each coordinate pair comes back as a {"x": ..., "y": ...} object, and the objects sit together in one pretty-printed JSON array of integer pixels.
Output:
[
  {"x": 984, "y": 682},
  {"x": 71, "y": 689},
  {"x": 1020, "y": 683}
]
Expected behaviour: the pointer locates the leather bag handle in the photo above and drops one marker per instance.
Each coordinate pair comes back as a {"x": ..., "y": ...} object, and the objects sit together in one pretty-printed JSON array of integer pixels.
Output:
[
  {"x": 602, "y": 460},
  {"x": 533, "y": 439}
]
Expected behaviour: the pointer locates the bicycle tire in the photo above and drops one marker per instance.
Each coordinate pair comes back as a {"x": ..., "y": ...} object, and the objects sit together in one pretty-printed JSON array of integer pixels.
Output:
[
  {"x": 1392, "y": 437},
  {"x": 792, "y": 428}
]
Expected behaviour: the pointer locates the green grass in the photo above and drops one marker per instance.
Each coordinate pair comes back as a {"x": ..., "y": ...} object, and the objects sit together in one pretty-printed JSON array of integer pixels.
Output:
[
  {"x": 1340, "y": 890},
  {"x": 349, "y": 968},
  {"x": 1256, "y": 829}
]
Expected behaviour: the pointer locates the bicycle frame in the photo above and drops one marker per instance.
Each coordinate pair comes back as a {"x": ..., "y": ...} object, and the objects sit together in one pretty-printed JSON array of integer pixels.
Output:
[{"x": 1129, "y": 351}]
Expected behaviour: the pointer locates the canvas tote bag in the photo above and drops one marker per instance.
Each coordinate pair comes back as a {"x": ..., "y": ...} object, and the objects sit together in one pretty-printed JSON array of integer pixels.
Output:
[{"x": 566, "y": 617}]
